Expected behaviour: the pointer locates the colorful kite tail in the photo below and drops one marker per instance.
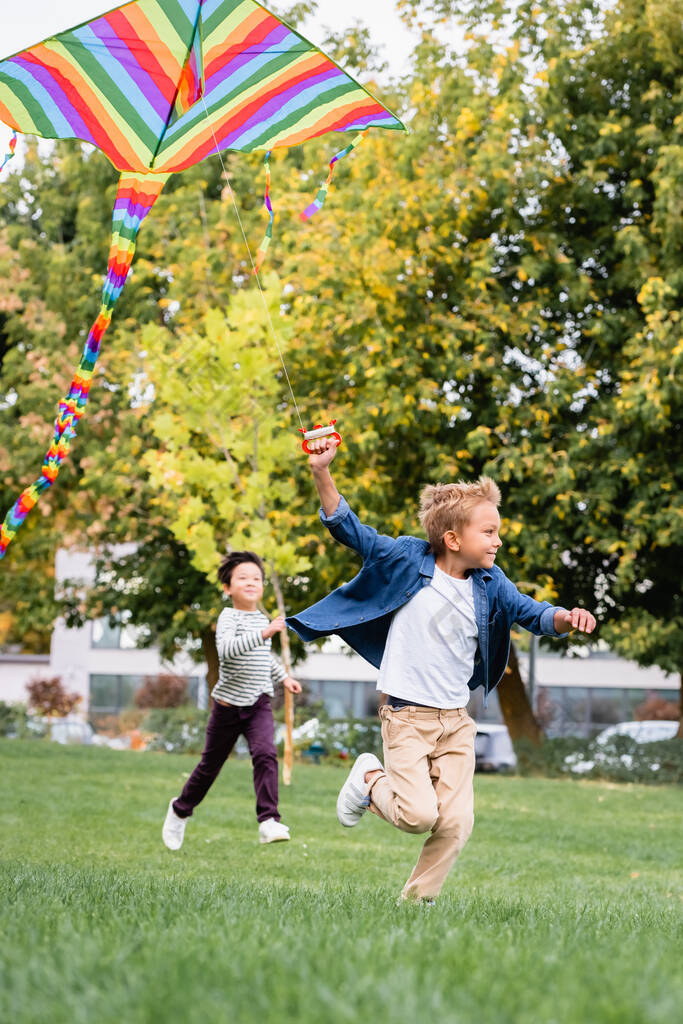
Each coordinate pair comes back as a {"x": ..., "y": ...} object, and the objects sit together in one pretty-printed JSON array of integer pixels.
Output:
[
  {"x": 135, "y": 197},
  {"x": 322, "y": 194},
  {"x": 263, "y": 247},
  {"x": 10, "y": 152}
]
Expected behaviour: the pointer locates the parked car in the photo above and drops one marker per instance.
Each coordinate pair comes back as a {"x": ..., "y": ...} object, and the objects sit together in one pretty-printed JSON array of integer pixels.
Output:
[
  {"x": 652, "y": 731},
  {"x": 493, "y": 750},
  {"x": 642, "y": 732},
  {"x": 71, "y": 730}
]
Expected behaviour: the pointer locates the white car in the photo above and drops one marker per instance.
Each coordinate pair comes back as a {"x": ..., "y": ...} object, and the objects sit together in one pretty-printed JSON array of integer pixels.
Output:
[
  {"x": 71, "y": 730},
  {"x": 493, "y": 750},
  {"x": 642, "y": 732}
]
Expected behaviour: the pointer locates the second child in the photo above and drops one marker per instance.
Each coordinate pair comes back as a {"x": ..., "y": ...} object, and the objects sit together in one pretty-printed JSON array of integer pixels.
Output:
[{"x": 241, "y": 702}]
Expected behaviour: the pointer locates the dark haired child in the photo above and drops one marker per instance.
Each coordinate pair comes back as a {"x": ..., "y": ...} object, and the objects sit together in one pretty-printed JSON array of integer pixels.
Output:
[{"x": 241, "y": 702}]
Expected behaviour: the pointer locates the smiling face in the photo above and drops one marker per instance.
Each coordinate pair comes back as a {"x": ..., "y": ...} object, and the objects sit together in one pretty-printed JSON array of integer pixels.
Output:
[
  {"x": 475, "y": 544},
  {"x": 245, "y": 587}
]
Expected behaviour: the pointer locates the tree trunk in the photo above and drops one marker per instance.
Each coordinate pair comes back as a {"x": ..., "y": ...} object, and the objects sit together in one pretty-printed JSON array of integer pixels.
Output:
[
  {"x": 211, "y": 657},
  {"x": 514, "y": 704},
  {"x": 288, "y": 758},
  {"x": 680, "y": 720}
]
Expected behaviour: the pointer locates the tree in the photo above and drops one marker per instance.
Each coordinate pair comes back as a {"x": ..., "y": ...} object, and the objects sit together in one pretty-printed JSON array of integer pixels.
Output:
[{"x": 216, "y": 471}]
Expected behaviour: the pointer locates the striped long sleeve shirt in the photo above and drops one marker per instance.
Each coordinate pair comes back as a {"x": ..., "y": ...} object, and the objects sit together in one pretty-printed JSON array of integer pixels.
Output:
[{"x": 247, "y": 666}]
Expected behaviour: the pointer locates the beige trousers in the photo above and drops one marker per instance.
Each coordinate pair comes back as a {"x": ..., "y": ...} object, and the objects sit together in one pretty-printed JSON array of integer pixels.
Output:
[{"x": 426, "y": 786}]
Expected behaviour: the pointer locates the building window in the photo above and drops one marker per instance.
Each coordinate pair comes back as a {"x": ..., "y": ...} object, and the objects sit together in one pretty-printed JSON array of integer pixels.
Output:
[
  {"x": 121, "y": 637},
  {"x": 110, "y": 694},
  {"x": 585, "y": 711},
  {"x": 343, "y": 698}
]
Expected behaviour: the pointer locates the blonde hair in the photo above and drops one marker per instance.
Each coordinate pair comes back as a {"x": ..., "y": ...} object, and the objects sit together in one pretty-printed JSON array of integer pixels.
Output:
[{"x": 445, "y": 507}]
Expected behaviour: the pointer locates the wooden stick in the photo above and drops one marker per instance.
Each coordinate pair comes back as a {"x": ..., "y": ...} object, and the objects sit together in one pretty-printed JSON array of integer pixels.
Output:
[{"x": 288, "y": 759}]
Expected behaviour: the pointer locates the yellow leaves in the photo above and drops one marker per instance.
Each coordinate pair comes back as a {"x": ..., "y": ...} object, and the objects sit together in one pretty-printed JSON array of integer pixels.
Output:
[
  {"x": 467, "y": 124},
  {"x": 654, "y": 292},
  {"x": 514, "y": 527},
  {"x": 5, "y": 626}
]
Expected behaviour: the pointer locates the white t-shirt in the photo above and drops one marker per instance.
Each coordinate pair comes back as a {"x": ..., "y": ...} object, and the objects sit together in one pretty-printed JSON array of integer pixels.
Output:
[{"x": 431, "y": 646}]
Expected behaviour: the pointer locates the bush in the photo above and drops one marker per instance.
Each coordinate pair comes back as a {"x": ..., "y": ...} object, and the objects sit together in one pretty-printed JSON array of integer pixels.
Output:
[
  {"x": 162, "y": 691},
  {"x": 13, "y": 720},
  {"x": 548, "y": 759},
  {"x": 48, "y": 697},
  {"x": 176, "y": 730},
  {"x": 622, "y": 759},
  {"x": 302, "y": 712},
  {"x": 655, "y": 708},
  {"x": 349, "y": 737}
]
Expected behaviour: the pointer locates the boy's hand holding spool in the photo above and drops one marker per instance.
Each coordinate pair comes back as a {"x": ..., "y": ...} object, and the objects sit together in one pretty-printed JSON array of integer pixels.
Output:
[{"x": 321, "y": 451}]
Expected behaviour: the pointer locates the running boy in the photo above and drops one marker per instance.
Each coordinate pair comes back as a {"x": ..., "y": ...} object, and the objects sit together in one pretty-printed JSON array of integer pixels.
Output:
[
  {"x": 241, "y": 702},
  {"x": 435, "y": 618}
]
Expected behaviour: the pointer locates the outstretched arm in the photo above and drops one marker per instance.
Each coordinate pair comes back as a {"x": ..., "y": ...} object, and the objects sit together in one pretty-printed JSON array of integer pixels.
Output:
[{"x": 541, "y": 618}]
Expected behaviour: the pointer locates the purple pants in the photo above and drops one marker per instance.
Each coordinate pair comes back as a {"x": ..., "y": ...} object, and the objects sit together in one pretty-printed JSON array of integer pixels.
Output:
[{"x": 224, "y": 726}]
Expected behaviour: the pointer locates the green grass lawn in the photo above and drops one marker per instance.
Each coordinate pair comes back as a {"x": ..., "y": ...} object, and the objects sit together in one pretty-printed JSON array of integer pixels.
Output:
[{"x": 564, "y": 907}]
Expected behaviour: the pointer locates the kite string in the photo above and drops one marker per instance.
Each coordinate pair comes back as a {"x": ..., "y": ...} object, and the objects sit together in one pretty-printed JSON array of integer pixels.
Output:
[{"x": 253, "y": 267}]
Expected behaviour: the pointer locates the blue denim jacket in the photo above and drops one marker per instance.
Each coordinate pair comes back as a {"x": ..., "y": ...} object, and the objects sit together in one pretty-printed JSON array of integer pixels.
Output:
[{"x": 394, "y": 569}]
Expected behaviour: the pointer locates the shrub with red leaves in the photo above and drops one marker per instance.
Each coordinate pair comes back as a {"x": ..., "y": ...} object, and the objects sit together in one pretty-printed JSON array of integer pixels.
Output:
[
  {"x": 162, "y": 691},
  {"x": 48, "y": 697},
  {"x": 656, "y": 708}
]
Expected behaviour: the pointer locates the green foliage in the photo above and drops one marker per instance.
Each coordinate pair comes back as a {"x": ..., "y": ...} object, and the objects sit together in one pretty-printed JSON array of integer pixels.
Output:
[
  {"x": 622, "y": 759},
  {"x": 178, "y": 730},
  {"x": 350, "y": 737},
  {"x": 216, "y": 470},
  {"x": 13, "y": 719}
]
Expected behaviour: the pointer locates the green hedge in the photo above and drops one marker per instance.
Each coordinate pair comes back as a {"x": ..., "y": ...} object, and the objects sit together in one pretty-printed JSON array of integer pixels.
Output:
[
  {"x": 14, "y": 721},
  {"x": 620, "y": 760},
  {"x": 176, "y": 730}
]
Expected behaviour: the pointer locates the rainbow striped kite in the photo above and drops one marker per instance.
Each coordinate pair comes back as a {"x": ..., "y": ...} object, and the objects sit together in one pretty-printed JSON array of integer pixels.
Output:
[{"x": 159, "y": 85}]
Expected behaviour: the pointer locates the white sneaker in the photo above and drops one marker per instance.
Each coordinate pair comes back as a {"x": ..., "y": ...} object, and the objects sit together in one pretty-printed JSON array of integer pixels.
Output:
[
  {"x": 353, "y": 800},
  {"x": 272, "y": 831},
  {"x": 173, "y": 831}
]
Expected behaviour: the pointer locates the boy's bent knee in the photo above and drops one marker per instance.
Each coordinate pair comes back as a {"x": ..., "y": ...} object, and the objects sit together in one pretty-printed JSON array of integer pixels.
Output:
[{"x": 417, "y": 821}]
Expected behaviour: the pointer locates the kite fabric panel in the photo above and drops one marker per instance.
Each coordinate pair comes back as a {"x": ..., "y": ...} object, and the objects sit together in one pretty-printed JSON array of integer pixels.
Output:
[{"x": 160, "y": 84}]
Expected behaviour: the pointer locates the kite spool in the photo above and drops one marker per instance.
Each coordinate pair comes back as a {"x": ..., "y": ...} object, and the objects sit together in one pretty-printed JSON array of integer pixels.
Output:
[{"x": 319, "y": 431}]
